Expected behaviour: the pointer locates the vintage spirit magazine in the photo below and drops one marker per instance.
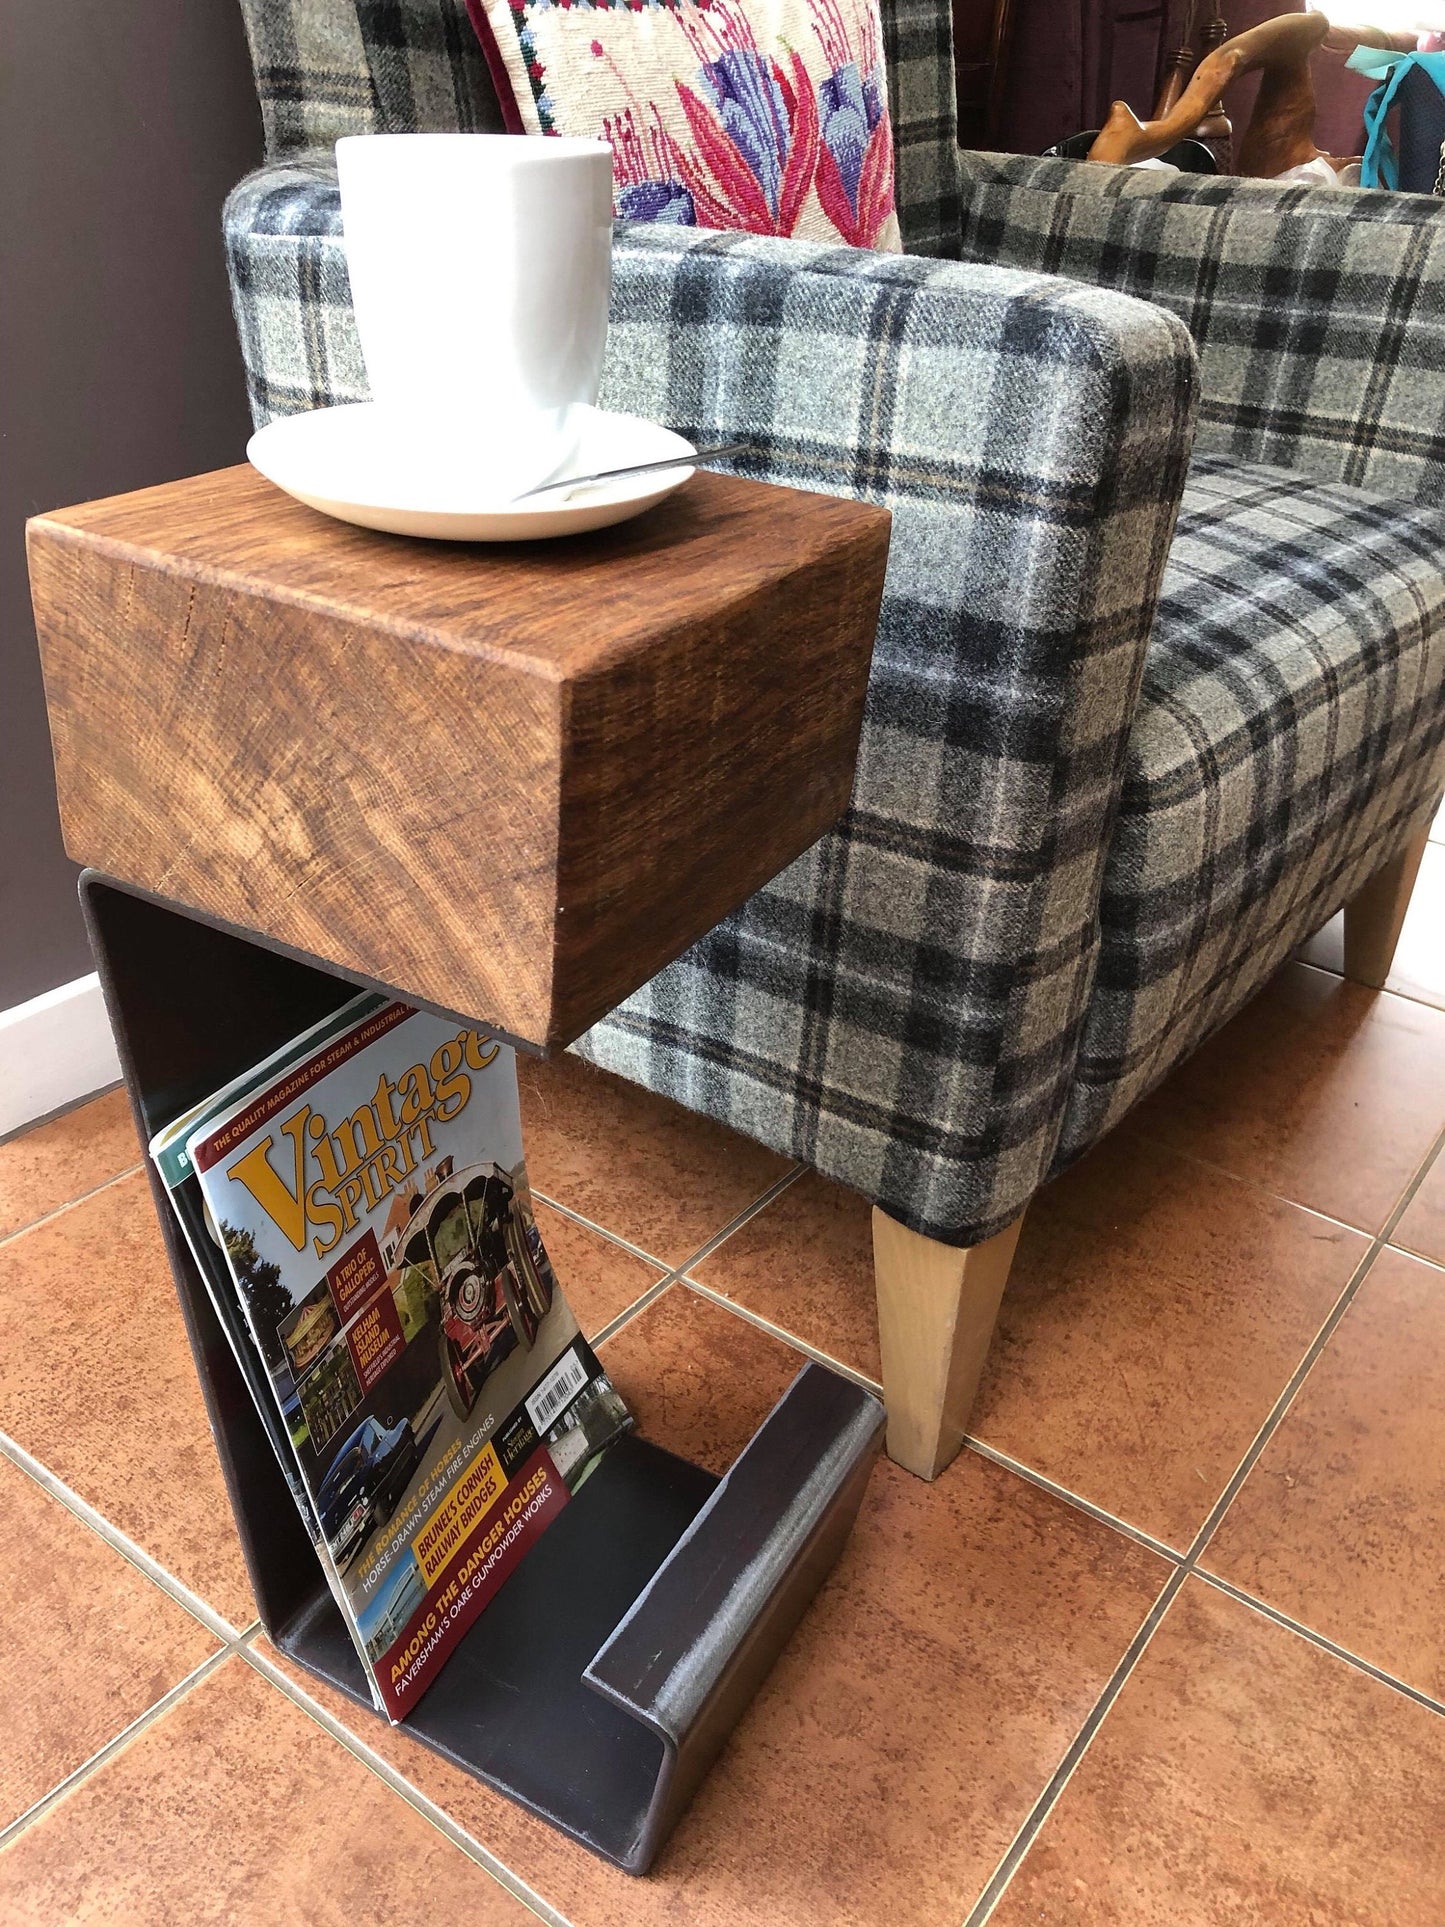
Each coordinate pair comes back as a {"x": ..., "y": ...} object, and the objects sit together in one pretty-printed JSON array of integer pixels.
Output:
[
  {"x": 439, "y": 1402},
  {"x": 173, "y": 1161}
]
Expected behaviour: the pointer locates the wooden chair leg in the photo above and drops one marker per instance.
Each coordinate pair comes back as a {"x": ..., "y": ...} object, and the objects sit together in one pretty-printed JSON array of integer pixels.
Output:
[
  {"x": 936, "y": 1310},
  {"x": 1374, "y": 915}
]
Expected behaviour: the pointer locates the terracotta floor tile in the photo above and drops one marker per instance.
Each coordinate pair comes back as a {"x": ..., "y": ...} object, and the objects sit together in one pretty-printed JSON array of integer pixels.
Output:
[
  {"x": 1244, "y": 1776},
  {"x": 44, "y": 1168},
  {"x": 698, "y": 1379},
  {"x": 968, "y": 1627},
  {"x": 236, "y": 1808},
  {"x": 1319, "y": 1090},
  {"x": 89, "y": 1643},
  {"x": 1139, "y": 1272},
  {"x": 1154, "y": 1314},
  {"x": 96, "y": 1380},
  {"x": 1342, "y": 1522},
  {"x": 635, "y": 1163},
  {"x": 913, "y": 1719},
  {"x": 1419, "y": 967},
  {"x": 805, "y": 1263},
  {"x": 1422, "y": 1228},
  {"x": 600, "y": 1279}
]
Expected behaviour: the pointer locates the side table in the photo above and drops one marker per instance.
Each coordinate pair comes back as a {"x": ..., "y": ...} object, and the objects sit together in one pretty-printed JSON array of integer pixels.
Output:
[{"x": 508, "y": 785}]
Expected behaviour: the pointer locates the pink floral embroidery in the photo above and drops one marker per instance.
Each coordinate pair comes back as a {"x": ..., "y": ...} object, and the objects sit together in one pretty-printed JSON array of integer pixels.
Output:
[
  {"x": 647, "y": 170},
  {"x": 855, "y": 162},
  {"x": 754, "y": 127},
  {"x": 758, "y": 135}
]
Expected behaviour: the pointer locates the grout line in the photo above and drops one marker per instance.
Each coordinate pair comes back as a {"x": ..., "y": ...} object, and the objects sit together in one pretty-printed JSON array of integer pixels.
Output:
[
  {"x": 49, "y": 1217},
  {"x": 1264, "y": 1190},
  {"x": 1004, "y": 1872},
  {"x": 790, "y": 1338},
  {"x": 1324, "y": 970},
  {"x": 749, "y": 1211},
  {"x": 590, "y": 1224},
  {"x": 674, "y": 1272},
  {"x": 112, "y": 1535},
  {"x": 1080, "y": 1504},
  {"x": 989, "y": 1452},
  {"x": 1277, "y": 1413},
  {"x": 1419, "y": 1258},
  {"x": 1428, "y": 998},
  {"x": 104, "y": 1754},
  {"x": 1183, "y": 1565},
  {"x": 629, "y": 1312},
  {"x": 1044, "y": 1805},
  {"x": 1430, "y": 1002},
  {"x": 418, "y": 1801},
  {"x": 1321, "y": 1640},
  {"x": 1435, "y": 1155}
]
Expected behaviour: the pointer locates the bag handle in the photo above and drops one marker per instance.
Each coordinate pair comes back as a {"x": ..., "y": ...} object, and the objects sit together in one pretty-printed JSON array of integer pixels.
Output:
[{"x": 1380, "y": 166}]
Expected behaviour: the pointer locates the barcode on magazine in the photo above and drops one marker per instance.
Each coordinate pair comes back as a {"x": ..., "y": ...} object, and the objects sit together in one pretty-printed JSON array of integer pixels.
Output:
[{"x": 557, "y": 1390}]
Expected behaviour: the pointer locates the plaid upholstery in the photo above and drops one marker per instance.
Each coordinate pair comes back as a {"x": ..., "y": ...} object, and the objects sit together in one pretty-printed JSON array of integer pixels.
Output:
[
  {"x": 289, "y": 290},
  {"x": 311, "y": 71},
  {"x": 427, "y": 68},
  {"x": 918, "y": 48},
  {"x": 1290, "y": 733},
  {"x": 1319, "y": 314},
  {"x": 900, "y": 1007},
  {"x": 1051, "y": 881}
]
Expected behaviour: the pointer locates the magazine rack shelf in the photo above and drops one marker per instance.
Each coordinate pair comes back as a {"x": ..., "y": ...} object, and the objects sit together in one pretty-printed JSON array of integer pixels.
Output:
[
  {"x": 603, "y": 1679},
  {"x": 601, "y": 1682}
]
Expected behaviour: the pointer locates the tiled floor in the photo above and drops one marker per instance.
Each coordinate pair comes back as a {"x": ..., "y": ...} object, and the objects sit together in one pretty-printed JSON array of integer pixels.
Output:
[{"x": 1164, "y": 1647}]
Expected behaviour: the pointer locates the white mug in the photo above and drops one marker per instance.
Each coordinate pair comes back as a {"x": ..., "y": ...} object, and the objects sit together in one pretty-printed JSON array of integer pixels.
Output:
[{"x": 480, "y": 270}]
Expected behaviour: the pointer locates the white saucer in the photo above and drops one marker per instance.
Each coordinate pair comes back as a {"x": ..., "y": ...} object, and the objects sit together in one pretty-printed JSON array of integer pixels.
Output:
[{"x": 356, "y": 463}]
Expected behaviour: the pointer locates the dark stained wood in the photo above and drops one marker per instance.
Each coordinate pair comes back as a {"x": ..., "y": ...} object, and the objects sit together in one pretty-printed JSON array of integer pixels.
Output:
[
  {"x": 513, "y": 782},
  {"x": 982, "y": 32}
]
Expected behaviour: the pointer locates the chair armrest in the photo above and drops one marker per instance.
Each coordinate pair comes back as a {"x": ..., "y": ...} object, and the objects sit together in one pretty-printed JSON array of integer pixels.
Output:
[
  {"x": 921, "y": 973},
  {"x": 289, "y": 289},
  {"x": 1319, "y": 313},
  {"x": 900, "y": 1008}
]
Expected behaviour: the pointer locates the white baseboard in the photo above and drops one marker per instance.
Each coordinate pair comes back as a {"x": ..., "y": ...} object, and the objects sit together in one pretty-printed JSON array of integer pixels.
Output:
[{"x": 53, "y": 1050}]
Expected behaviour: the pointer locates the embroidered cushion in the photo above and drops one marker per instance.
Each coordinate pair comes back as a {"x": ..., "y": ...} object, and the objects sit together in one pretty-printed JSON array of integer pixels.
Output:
[{"x": 769, "y": 116}]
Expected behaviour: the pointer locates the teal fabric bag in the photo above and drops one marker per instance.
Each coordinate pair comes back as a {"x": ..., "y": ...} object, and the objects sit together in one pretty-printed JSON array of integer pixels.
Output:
[{"x": 1381, "y": 165}]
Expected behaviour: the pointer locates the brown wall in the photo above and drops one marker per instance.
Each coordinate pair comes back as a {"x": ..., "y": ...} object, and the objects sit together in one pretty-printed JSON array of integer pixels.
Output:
[{"x": 122, "y": 125}]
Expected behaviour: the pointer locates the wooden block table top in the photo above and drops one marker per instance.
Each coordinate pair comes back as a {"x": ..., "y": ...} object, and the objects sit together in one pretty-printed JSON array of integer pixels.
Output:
[{"x": 511, "y": 782}]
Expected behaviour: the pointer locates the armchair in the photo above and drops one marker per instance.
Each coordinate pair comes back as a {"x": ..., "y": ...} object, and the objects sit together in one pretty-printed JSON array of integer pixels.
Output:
[{"x": 1146, "y": 709}]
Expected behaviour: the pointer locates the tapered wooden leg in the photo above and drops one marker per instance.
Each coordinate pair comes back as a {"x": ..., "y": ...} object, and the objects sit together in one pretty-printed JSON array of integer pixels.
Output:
[
  {"x": 936, "y": 1310},
  {"x": 1374, "y": 916}
]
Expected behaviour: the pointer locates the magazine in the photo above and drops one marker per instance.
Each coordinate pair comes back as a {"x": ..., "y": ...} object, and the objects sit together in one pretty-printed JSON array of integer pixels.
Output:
[
  {"x": 440, "y": 1406},
  {"x": 172, "y": 1160}
]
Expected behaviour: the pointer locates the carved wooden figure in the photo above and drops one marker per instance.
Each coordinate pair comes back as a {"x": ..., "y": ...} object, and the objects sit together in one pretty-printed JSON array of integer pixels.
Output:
[
  {"x": 1281, "y": 129},
  {"x": 1280, "y": 134}
]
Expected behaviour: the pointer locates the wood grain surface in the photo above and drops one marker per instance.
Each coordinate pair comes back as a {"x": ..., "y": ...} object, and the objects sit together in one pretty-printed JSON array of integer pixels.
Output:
[{"x": 510, "y": 781}]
